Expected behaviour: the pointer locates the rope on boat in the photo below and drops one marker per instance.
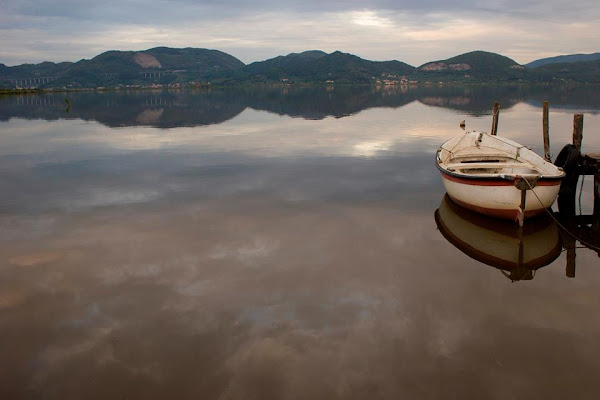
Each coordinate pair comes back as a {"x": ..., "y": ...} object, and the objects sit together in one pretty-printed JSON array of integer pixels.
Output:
[
  {"x": 456, "y": 145},
  {"x": 478, "y": 141},
  {"x": 583, "y": 242}
]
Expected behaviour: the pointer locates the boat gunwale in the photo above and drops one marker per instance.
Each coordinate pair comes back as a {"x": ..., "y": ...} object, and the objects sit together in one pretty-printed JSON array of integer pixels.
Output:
[
  {"x": 440, "y": 163},
  {"x": 498, "y": 177}
]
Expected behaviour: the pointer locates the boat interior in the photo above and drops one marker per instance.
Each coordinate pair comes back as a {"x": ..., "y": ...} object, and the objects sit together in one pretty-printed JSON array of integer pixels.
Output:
[
  {"x": 482, "y": 155},
  {"x": 490, "y": 165}
]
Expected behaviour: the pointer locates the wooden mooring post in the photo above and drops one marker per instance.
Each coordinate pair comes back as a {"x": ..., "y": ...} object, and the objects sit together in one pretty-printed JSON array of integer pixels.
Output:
[
  {"x": 546, "y": 133},
  {"x": 570, "y": 160},
  {"x": 496, "y": 114},
  {"x": 578, "y": 131},
  {"x": 596, "y": 222}
]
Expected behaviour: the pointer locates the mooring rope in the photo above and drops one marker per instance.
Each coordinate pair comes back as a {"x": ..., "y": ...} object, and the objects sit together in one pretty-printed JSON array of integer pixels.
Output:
[
  {"x": 456, "y": 145},
  {"x": 589, "y": 245}
]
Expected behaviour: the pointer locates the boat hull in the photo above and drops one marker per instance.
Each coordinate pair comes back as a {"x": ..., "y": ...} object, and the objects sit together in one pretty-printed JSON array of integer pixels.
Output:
[{"x": 500, "y": 198}]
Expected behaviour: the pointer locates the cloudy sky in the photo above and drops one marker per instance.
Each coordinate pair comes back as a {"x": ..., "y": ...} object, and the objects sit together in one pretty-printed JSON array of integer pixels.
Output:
[{"x": 254, "y": 30}]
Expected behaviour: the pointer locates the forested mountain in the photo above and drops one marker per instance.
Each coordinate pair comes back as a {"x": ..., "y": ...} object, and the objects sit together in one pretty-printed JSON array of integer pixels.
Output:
[
  {"x": 158, "y": 65},
  {"x": 572, "y": 72},
  {"x": 475, "y": 66},
  {"x": 317, "y": 67},
  {"x": 569, "y": 58},
  {"x": 170, "y": 66}
]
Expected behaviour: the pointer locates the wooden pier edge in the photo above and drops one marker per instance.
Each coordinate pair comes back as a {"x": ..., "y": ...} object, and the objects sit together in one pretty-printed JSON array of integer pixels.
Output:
[
  {"x": 572, "y": 227},
  {"x": 586, "y": 228}
]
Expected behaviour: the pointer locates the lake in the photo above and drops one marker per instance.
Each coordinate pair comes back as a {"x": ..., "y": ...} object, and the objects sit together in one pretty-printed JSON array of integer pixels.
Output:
[{"x": 281, "y": 243}]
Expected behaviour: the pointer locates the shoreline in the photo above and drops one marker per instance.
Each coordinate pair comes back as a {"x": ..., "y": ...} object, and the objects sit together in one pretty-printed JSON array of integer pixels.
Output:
[{"x": 12, "y": 92}]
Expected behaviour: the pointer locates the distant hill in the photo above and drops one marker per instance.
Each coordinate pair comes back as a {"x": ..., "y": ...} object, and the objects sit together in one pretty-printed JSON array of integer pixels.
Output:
[
  {"x": 476, "y": 65},
  {"x": 317, "y": 67},
  {"x": 168, "y": 66},
  {"x": 194, "y": 59},
  {"x": 571, "y": 72},
  {"x": 570, "y": 58},
  {"x": 157, "y": 65},
  {"x": 45, "y": 69}
]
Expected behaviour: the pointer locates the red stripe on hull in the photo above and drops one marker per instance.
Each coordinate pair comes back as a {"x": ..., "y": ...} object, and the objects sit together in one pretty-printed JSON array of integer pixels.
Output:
[
  {"x": 495, "y": 182},
  {"x": 496, "y": 212}
]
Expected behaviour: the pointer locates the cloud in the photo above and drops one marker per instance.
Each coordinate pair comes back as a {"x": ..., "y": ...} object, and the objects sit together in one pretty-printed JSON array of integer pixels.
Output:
[
  {"x": 371, "y": 18},
  {"x": 414, "y": 32}
]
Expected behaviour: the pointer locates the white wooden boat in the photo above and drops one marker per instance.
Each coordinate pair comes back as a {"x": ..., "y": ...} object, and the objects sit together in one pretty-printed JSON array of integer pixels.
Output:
[
  {"x": 495, "y": 176},
  {"x": 517, "y": 252}
]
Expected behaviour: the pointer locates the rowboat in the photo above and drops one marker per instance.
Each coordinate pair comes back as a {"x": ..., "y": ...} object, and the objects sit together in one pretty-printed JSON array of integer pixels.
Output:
[
  {"x": 516, "y": 252},
  {"x": 497, "y": 177}
]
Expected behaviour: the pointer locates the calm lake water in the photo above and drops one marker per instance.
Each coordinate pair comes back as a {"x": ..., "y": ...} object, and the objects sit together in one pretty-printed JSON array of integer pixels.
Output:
[{"x": 280, "y": 244}]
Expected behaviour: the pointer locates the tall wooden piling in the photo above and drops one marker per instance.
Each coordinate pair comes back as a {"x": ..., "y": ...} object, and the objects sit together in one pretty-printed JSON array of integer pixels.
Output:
[
  {"x": 546, "y": 133},
  {"x": 570, "y": 245},
  {"x": 496, "y": 114},
  {"x": 568, "y": 187},
  {"x": 596, "y": 215},
  {"x": 577, "y": 131}
]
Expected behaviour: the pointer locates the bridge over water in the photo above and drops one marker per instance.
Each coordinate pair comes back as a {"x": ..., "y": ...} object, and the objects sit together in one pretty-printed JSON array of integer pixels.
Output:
[
  {"x": 29, "y": 82},
  {"x": 37, "y": 81}
]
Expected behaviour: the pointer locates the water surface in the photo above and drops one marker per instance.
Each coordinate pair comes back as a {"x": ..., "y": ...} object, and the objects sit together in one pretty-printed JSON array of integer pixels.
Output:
[{"x": 276, "y": 244}]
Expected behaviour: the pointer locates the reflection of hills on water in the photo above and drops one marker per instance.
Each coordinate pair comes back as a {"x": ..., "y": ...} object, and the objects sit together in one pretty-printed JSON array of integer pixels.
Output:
[
  {"x": 474, "y": 101},
  {"x": 162, "y": 109},
  {"x": 319, "y": 102},
  {"x": 167, "y": 109},
  {"x": 576, "y": 98},
  {"x": 499, "y": 243},
  {"x": 477, "y": 101},
  {"x": 173, "y": 108}
]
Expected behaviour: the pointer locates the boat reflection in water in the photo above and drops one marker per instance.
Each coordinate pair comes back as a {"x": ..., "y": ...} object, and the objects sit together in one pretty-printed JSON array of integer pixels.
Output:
[{"x": 518, "y": 253}]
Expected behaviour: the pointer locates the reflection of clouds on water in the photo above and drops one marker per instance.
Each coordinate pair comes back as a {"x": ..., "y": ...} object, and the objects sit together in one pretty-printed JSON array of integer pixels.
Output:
[
  {"x": 162, "y": 177},
  {"x": 370, "y": 149},
  {"x": 27, "y": 260},
  {"x": 336, "y": 306},
  {"x": 265, "y": 257},
  {"x": 247, "y": 253},
  {"x": 448, "y": 335},
  {"x": 259, "y": 134},
  {"x": 104, "y": 197}
]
